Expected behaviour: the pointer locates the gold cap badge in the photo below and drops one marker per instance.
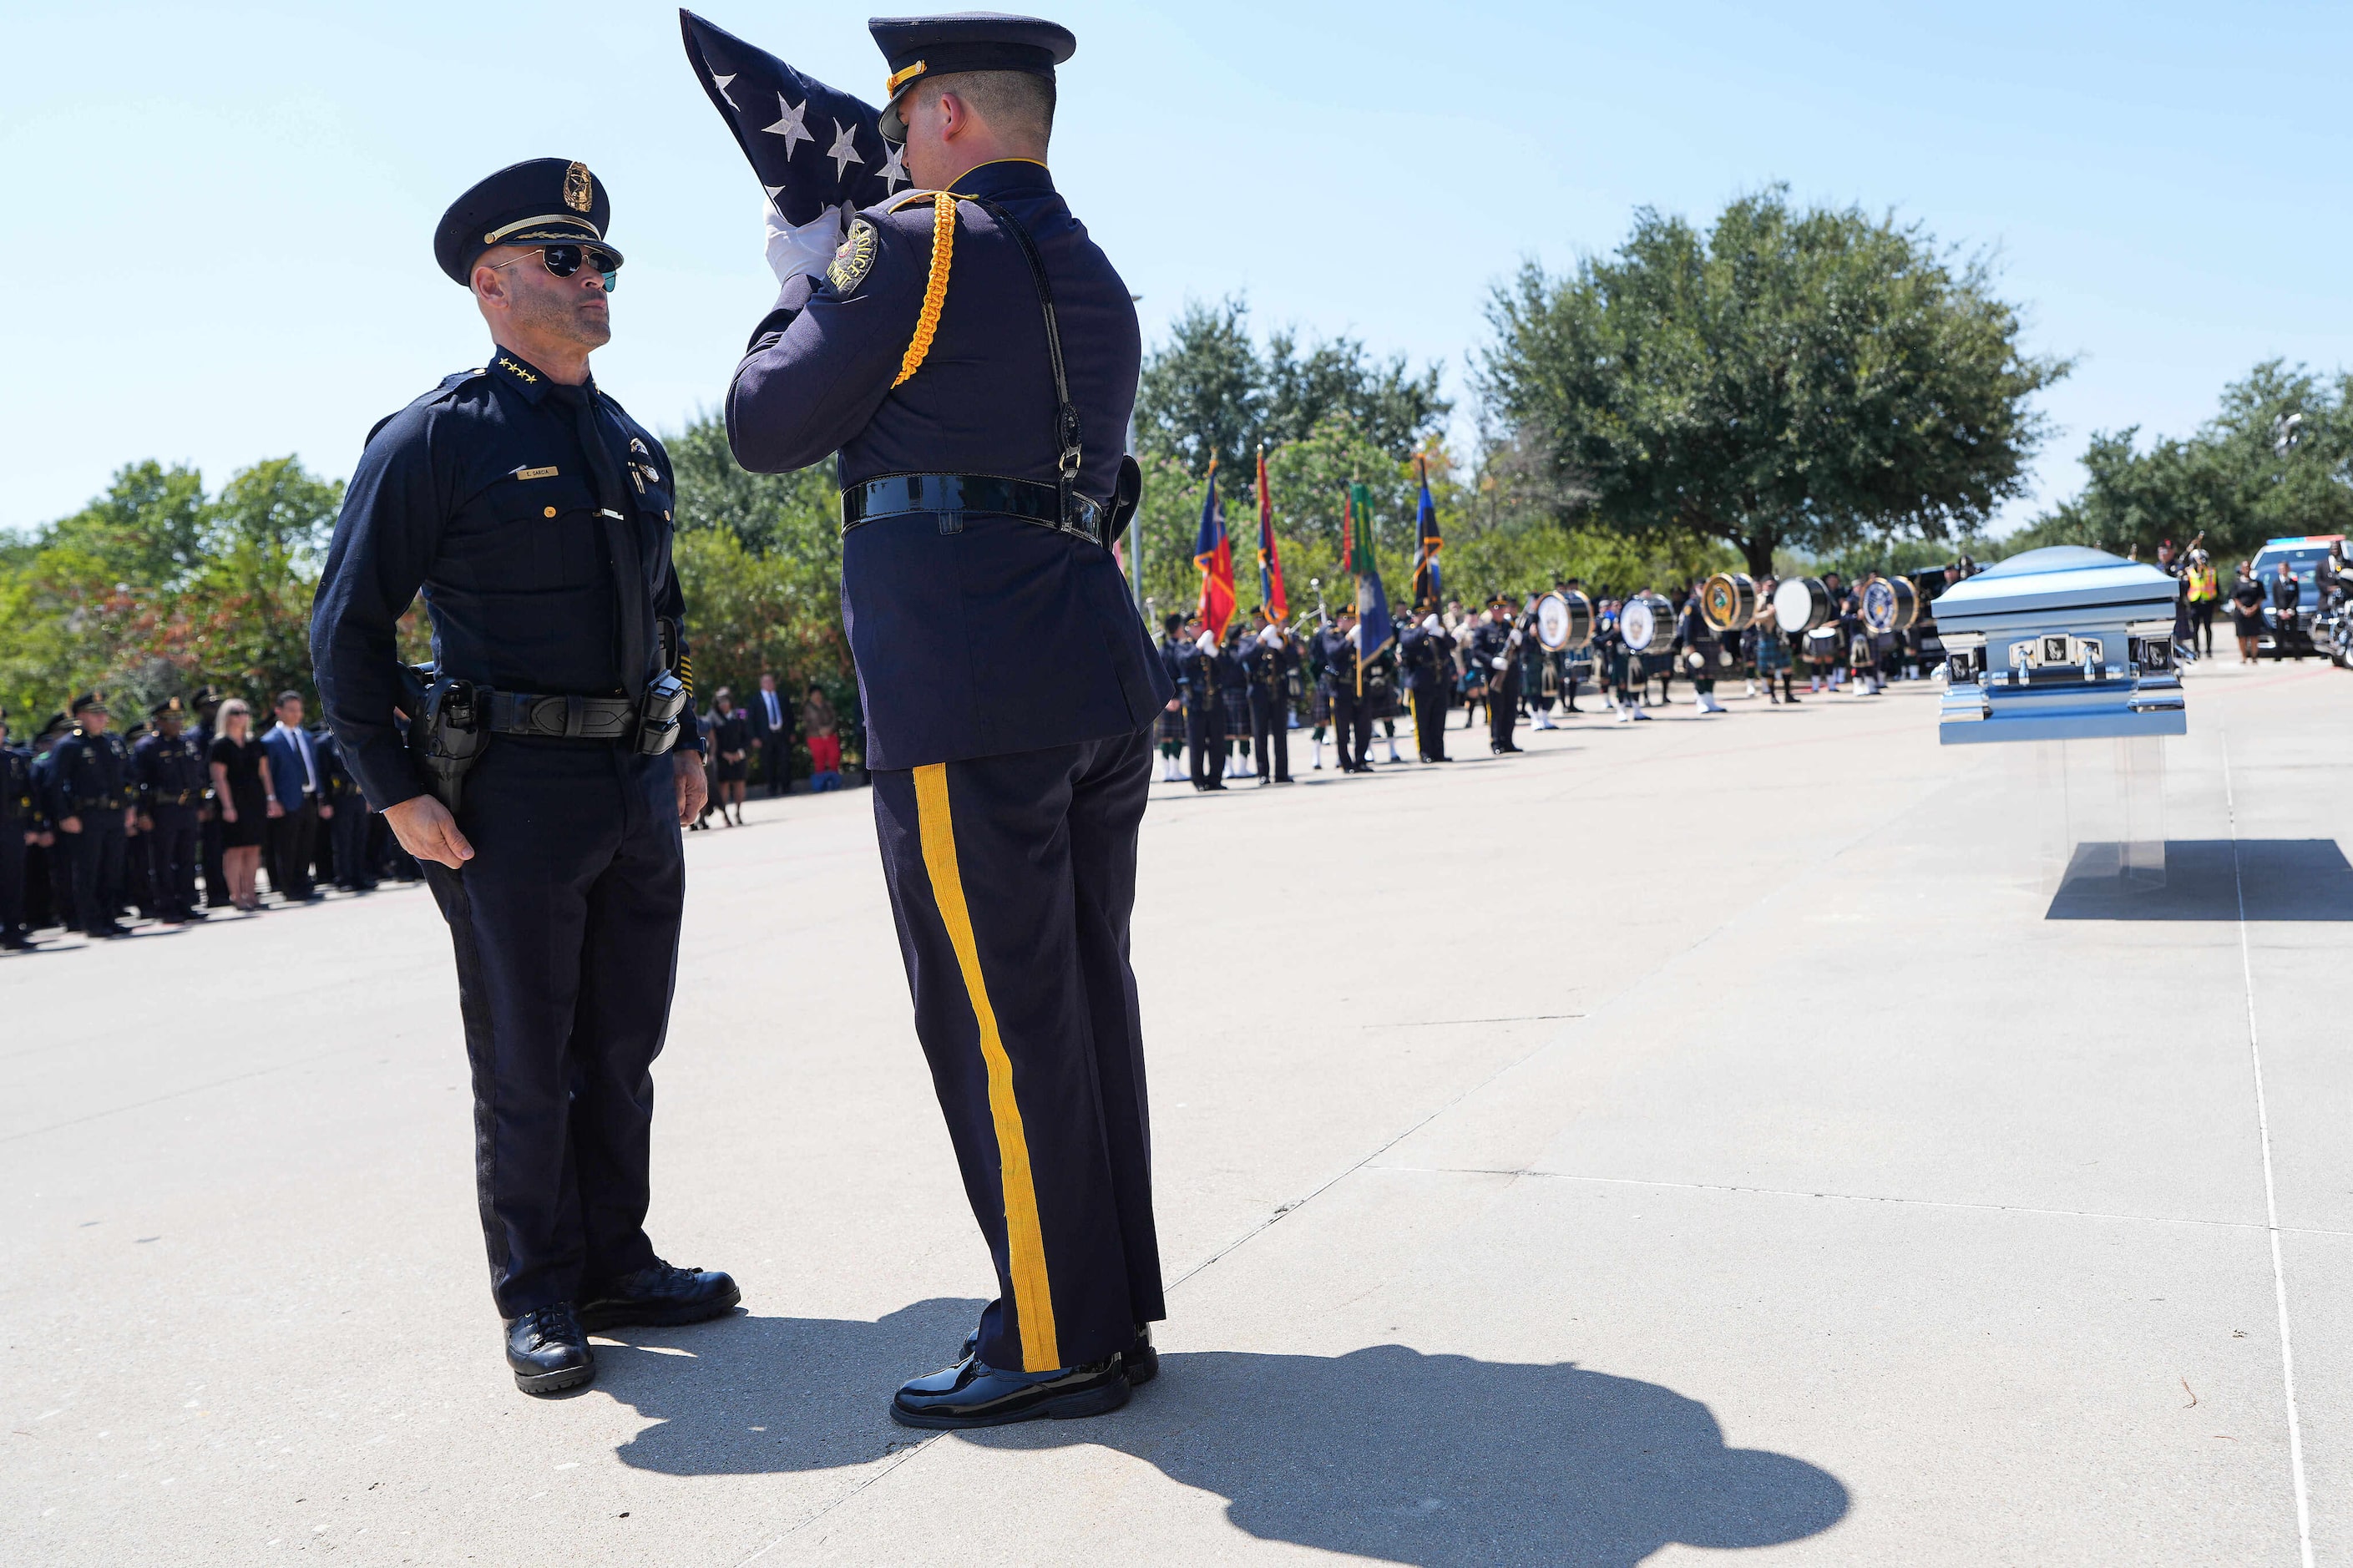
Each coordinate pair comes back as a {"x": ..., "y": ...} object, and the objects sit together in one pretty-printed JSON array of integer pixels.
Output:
[{"x": 579, "y": 189}]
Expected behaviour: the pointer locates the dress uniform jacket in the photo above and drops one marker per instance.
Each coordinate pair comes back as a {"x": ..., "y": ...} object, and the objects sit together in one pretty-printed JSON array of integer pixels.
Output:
[
  {"x": 19, "y": 815},
  {"x": 171, "y": 775},
  {"x": 1009, "y": 692},
  {"x": 89, "y": 779}
]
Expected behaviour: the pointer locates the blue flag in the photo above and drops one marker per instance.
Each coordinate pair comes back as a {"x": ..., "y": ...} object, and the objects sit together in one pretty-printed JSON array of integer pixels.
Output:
[
  {"x": 1427, "y": 589},
  {"x": 1373, "y": 630}
]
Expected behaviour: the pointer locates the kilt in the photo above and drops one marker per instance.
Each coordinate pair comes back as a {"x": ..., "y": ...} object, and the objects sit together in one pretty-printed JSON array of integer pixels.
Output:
[
  {"x": 1772, "y": 652},
  {"x": 1170, "y": 730},
  {"x": 1319, "y": 711}
]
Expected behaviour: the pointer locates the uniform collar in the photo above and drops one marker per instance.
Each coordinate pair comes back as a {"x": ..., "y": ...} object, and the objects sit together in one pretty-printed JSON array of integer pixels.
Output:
[
  {"x": 1002, "y": 176},
  {"x": 519, "y": 374}
]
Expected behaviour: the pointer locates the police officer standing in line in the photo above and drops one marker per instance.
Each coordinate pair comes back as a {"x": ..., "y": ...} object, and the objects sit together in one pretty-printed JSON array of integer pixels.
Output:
[
  {"x": 206, "y": 703},
  {"x": 1268, "y": 659},
  {"x": 173, "y": 778},
  {"x": 1352, "y": 717},
  {"x": 1205, "y": 710},
  {"x": 973, "y": 357},
  {"x": 90, "y": 801},
  {"x": 535, "y": 515},
  {"x": 1496, "y": 646},
  {"x": 20, "y": 827},
  {"x": 1425, "y": 650}
]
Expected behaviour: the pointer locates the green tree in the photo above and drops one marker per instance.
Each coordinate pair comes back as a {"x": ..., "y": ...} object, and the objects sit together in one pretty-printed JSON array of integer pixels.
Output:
[
  {"x": 1798, "y": 379},
  {"x": 2277, "y": 460},
  {"x": 1212, "y": 391}
]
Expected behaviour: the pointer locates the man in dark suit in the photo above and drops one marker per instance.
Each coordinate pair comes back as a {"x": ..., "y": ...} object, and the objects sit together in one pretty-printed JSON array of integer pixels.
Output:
[
  {"x": 299, "y": 782},
  {"x": 771, "y": 715}
]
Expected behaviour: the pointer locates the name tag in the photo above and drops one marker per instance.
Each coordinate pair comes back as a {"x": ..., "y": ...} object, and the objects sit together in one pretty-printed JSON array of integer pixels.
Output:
[{"x": 534, "y": 473}]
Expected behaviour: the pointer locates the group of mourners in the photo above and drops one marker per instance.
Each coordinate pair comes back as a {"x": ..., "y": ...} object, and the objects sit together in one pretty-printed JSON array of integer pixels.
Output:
[
  {"x": 1243, "y": 688},
  {"x": 753, "y": 741},
  {"x": 100, "y": 826}
]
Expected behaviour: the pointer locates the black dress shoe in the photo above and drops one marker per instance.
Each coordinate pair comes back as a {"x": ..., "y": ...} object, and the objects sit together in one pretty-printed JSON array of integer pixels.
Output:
[
  {"x": 658, "y": 1296},
  {"x": 549, "y": 1350},
  {"x": 1142, "y": 1362},
  {"x": 974, "y": 1394}
]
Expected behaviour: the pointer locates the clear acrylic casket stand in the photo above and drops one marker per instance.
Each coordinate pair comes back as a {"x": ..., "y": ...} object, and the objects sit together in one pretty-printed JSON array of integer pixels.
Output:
[{"x": 2098, "y": 810}]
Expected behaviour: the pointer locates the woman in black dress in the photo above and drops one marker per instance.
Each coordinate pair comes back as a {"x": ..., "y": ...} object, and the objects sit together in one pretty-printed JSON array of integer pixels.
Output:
[
  {"x": 730, "y": 741},
  {"x": 2247, "y": 612},
  {"x": 240, "y": 770}
]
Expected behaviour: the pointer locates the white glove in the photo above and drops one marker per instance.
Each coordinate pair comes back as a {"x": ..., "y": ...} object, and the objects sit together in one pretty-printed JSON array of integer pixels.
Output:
[
  {"x": 804, "y": 251},
  {"x": 1516, "y": 637},
  {"x": 1499, "y": 662}
]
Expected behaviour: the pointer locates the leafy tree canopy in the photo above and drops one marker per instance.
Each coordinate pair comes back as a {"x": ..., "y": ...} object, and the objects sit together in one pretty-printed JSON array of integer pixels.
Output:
[
  {"x": 1790, "y": 378},
  {"x": 1211, "y": 390},
  {"x": 2277, "y": 460}
]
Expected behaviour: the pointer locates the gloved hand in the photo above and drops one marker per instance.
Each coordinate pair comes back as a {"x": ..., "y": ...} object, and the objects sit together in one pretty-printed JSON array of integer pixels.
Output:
[
  {"x": 1499, "y": 662},
  {"x": 1517, "y": 635},
  {"x": 802, "y": 252}
]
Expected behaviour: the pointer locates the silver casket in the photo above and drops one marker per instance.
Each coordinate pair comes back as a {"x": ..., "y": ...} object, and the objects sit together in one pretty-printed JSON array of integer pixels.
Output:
[{"x": 2063, "y": 644}]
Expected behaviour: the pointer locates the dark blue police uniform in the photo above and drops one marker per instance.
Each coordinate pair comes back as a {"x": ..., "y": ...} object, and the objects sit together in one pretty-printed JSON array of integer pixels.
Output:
[
  {"x": 1009, "y": 692},
  {"x": 20, "y": 817},
  {"x": 89, "y": 780},
  {"x": 1267, "y": 668},
  {"x": 1423, "y": 653},
  {"x": 172, "y": 778},
  {"x": 536, "y": 520}
]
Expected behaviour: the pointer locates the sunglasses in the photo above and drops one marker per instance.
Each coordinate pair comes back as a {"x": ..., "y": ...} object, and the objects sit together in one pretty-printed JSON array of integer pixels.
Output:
[{"x": 563, "y": 260}]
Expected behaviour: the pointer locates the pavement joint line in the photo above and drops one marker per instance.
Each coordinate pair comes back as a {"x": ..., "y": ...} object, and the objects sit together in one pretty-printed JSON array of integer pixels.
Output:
[
  {"x": 182, "y": 1093},
  {"x": 1857, "y": 1198},
  {"x": 920, "y": 1445},
  {"x": 1447, "y": 1023},
  {"x": 1673, "y": 961},
  {"x": 2271, "y": 1193}
]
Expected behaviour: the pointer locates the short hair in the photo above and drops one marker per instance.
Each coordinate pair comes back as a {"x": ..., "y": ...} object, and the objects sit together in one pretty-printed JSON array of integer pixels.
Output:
[
  {"x": 1013, "y": 102},
  {"x": 285, "y": 696}
]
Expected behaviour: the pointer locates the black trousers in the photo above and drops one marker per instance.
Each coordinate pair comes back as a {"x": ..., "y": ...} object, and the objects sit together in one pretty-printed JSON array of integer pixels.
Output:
[
  {"x": 1205, "y": 742},
  {"x": 1429, "y": 722},
  {"x": 1352, "y": 727},
  {"x": 347, "y": 830},
  {"x": 216, "y": 874},
  {"x": 290, "y": 846},
  {"x": 1270, "y": 736},
  {"x": 1012, "y": 878},
  {"x": 173, "y": 845},
  {"x": 1503, "y": 713},
  {"x": 565, "y": 927},
  {"x": 12, "y": 878},
  {"x": 96, "y": 853}
]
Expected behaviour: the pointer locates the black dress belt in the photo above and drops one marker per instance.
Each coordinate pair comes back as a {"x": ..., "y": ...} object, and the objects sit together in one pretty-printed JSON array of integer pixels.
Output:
[
  {"x": 950, "y": 496},
  {"x": 562, "y": 718}
]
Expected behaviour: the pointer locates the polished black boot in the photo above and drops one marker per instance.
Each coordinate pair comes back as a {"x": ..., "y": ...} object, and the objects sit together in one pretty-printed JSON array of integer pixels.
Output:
[
  {"x": 974, "y": 1394},
  {"x": 658, "y": 1295},
  {"x": 549, "y": 1350}
]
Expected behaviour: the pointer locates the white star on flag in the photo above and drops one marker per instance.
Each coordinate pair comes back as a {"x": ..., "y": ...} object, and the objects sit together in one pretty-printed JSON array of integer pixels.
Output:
[
  {"x": 774, "y": 191},
  {"x": 788, "y": 123},
  {"x": 894, "y": 168},
  {"x": 719, "y": 85},
  {"x": 844, "y": 151}
]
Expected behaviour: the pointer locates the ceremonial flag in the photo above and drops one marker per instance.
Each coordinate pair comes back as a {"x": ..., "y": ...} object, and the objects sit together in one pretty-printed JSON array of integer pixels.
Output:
[
  {"x": 774, "y": 111},
  {"x": 1426, "y": 544},
  {"x": 1213, "y": 552},
  {"x": 1269, "y": 563},
  {"x": 1374, "y": 630}
]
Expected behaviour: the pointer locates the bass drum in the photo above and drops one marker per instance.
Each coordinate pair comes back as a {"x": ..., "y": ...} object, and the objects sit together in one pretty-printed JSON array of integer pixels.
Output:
[
  {"x": 1564, "y": 621},
  {"x": 1727, "y": 601},
  {"x": 1890, "y": 604},
  {"x": 1801, "y": 604},
  {"x": 1647, "y": 623}
]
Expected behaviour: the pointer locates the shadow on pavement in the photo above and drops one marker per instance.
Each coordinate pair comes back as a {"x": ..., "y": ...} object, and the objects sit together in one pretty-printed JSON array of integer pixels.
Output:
[
  {"x": 1435, "y": 1460},
  {"x": 2284, "y": 879}
]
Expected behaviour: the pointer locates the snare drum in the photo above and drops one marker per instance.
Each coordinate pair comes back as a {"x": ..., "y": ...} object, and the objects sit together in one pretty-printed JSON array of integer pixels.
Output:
[
  {"x": 1801, "y": 604},
  {"x": 1647, "y": 624},
  {"x": 1727, "y": 601},
  {"x": 1890, "y": 604}
]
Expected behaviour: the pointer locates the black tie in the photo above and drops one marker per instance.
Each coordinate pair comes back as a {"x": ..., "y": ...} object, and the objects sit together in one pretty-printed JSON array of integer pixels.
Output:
[{"x": 620, "y": 538}]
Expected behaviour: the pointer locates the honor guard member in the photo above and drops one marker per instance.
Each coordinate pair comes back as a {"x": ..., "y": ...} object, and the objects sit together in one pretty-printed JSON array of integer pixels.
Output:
[
  {"x": 1171, "y": 726},
  {"x": 1268, "y": 660},
  {"x": 171, "y": 775},
  {"x": 972, "y": 356},
  {"x": 20, "y": 828},
  {"x": 1424, "y": 652},
  {"x": 1701, "y": 649},
  {"x": 1352, "y": 715},
  {"x": 1205, "y": 710},
  {"x": 535, "y": 515},
  {"x": 91, "y": 801},
  {"x": 1496, "y": 646}
]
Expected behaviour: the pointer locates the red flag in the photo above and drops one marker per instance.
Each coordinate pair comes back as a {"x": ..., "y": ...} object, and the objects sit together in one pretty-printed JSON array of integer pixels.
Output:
[
  {"x": 1213, "y": 552},
  {"x": 1348, "y": 534},
  {"x": 1269, "y": 561}
]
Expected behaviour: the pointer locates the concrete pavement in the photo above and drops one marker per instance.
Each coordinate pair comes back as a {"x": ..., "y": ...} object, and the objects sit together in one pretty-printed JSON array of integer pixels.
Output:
[{"x": 1700, "y": 1136}]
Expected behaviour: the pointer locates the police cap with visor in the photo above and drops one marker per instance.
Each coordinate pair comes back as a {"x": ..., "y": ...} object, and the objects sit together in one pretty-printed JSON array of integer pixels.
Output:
[
  {"x": 553, "y": 202},
  {"x": 920, "y": 47}
]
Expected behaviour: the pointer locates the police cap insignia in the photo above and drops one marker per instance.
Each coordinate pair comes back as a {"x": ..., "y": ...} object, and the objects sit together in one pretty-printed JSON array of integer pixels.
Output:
[
  {"x": 853, "y": 257},
  {"x": 542, "y": 201},
  {"x": 87, "y": 700}
]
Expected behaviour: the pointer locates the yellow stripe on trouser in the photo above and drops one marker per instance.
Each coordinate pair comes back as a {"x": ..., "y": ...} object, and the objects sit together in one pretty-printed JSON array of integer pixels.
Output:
[{"x": 1024, "y": 1244}]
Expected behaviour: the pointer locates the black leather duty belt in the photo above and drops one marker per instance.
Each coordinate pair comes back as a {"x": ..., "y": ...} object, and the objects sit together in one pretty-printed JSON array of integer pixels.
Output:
[
  {"x": 950, "y": 496},
  {"x": 562, "y": 718}
]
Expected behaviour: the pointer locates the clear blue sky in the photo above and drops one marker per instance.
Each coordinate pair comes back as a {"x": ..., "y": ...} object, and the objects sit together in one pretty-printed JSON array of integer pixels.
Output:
[{"x": 219, "y": 218}]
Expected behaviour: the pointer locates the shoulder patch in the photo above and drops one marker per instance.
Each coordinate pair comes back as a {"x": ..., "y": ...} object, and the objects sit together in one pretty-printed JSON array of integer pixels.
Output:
[{"x": 853, "y": 257}]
